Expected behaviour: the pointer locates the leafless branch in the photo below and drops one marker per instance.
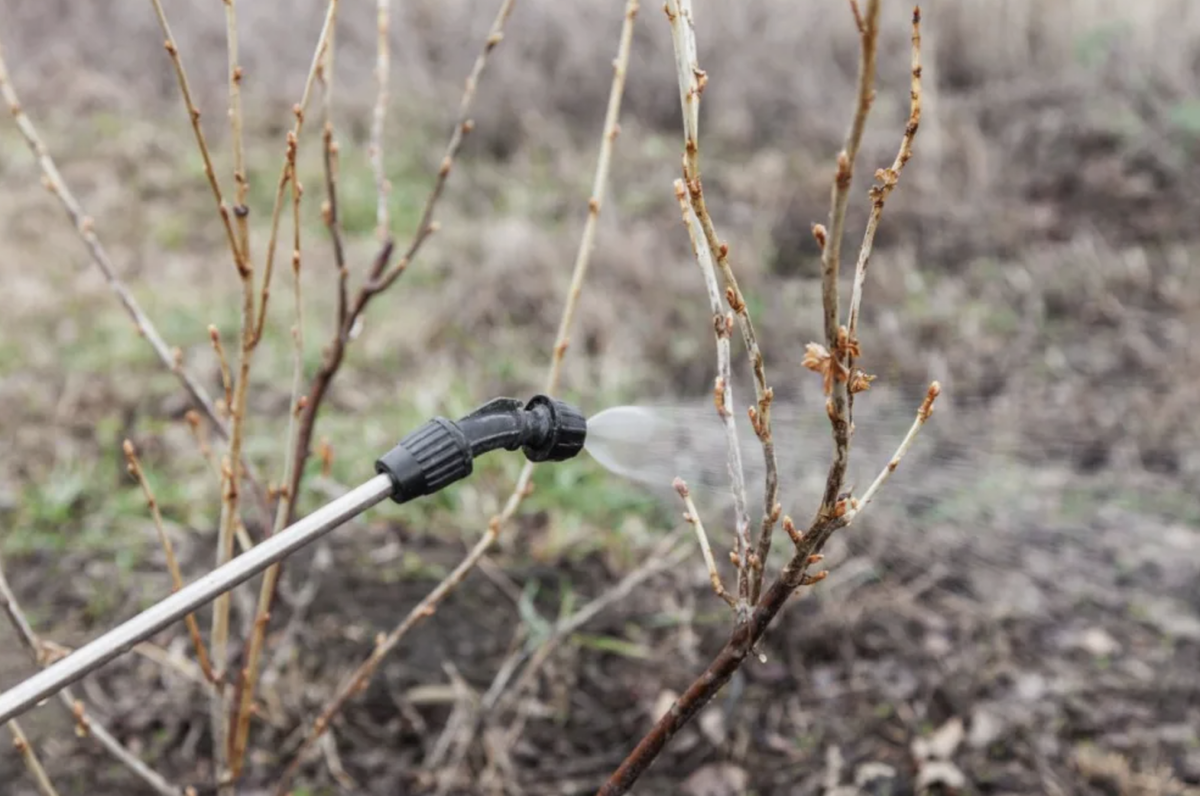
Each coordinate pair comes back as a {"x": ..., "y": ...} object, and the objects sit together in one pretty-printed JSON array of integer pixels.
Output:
[
  {"x": 39, "y": 651},
  {"x": 838, "y": 509},
  {"x": 887, "y": 180},
  {"x": 692, "y": 516},
  {"x": 692, "y": 80},
  {"x": 134, "y": 466},
  {"x": 25, "y": 750},
  {"x": 86, "y": 228},
  {"x": 241, "y": 209},
  {"x": 723, "y": 398},
  {"x": 359, "y": 679},
  {"x": 248, "y": 680},
  {"x": 837, "y": 340},
  {"x": 379, "y": 116},
  {"x": 381, "y": 276}
]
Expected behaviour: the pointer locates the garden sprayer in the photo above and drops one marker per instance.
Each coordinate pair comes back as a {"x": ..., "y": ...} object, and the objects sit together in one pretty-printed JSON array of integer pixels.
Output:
[{"x": 429, "y": 459}]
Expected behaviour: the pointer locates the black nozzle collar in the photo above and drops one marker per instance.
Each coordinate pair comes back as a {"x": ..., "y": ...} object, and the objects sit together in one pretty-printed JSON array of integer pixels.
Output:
[{"x": 443, "y": 451}]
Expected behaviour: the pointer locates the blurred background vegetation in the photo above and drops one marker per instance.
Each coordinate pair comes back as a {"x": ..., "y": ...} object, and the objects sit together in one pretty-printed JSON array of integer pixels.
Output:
[{"x": 1037, "y": 259}]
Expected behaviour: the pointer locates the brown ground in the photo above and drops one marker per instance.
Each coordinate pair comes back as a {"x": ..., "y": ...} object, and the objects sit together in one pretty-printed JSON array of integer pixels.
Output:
[{"x": 1021, "y": 604}]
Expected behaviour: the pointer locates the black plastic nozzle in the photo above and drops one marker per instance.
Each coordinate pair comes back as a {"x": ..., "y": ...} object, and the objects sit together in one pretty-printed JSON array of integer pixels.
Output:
[{"x": 443, "y": 451}]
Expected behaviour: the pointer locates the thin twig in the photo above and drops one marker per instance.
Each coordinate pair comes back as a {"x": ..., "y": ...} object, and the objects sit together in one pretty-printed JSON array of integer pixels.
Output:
[
  {"x": 923, "y": 414},
  {"x": 659, "y": 559},
  {"x": 837, "y": 340},
  {"x": 38, "y": 651},
  {"x": 86, "y": 229},
  {"x": 239, "y": 258},
  {"x": 249, "y": 678},
  {"x": 888, "y": 179},
  {"x": 195, "y": 425},
  {"x": 253, "y": 318},
  {"x": 214, "y": 334},
  {"x": 241, "y": 210},
  {"x": 837, "y": 509},
  {"x": 330, "y": 207},
  {"x": 692, "y": 81},
  {"x": 25, "y": 749},
  {"x": 723, "y": 398},
  {"x": 692, "y": 516},
  {"x": 378, "y": 117},
  {"x": 381, "y": 276},
  {"x": 359, "y": 679},
  {"x": 299, "y": 110},
  {"x": 134, "y": 466}
]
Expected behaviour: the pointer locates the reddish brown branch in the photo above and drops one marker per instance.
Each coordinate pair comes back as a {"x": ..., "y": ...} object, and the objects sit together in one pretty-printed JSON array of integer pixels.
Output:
[{"x": 383, "y": 272}]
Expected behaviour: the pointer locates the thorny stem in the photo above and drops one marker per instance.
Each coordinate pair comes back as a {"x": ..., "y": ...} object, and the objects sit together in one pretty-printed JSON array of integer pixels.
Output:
[
  {"x": 358, "y": 680},
  {"x": 38, "y": 650},
  {"x": 380, "y": 276},
  {"x": 723, "y": 398},
  {"x": 379, "y": 116},
  {"x": 692, "y": 81},
  {"x": 25, "y": 749},
  {"x": 134, "y": 466},
  {"x": 868, "y": 25}
]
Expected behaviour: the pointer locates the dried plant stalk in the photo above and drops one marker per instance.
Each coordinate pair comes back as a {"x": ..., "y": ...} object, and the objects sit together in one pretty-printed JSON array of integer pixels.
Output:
[
  {"x": 25, "y": 749},
  {"x": 358, "y": 679},
  {"x": 134, "y": 466},
  {"x": 723, "y": 397},
  {"x": 40, "y": 652},
  {"x": 692, "y": 80}
]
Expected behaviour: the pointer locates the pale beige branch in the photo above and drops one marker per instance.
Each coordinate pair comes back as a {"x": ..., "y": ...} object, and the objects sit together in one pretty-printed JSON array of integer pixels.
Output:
[
  {"x": 723, "y": 398},
  {"x": 379, "y": 117},
  {"x": 86, "y": 228},
  {"x": 887, "y": 180},
  {"x": 923, "y": 414},
  {"x": 134, "y": 465},
  {"x": 25, "y": 749},
  {"x": 692, "y": 517},
  {"x": 692, "y": 80}
]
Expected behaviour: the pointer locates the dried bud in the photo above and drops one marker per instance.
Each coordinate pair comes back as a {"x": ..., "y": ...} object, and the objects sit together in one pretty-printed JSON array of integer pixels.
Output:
[
  {"x": 860, "y": 382},
  {"x": 818, "y": 231},
  {"x": 817, "y": 577},
  {"x": 935, "y": 389}
]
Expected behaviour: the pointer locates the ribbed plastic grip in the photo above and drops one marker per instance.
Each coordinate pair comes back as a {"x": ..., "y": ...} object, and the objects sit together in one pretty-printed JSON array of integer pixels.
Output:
[{"x": 427, "y": 460}]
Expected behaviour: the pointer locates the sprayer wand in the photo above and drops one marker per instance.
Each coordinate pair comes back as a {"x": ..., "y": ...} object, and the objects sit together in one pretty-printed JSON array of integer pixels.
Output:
[{"x": 427, "y": 460}]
